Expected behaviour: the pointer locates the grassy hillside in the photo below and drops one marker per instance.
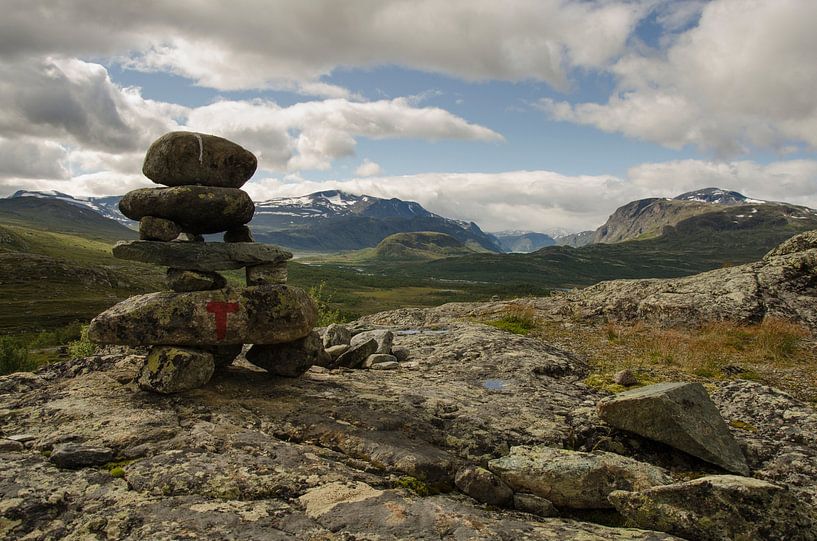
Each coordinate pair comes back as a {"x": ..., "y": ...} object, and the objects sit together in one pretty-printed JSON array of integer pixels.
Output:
[{"x": 58, "y": 216}]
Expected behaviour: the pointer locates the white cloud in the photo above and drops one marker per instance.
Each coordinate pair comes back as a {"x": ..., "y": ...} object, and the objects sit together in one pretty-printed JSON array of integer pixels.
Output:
[
  {"x": 368, "y": 168},
  {"x": 740, "y": 79},
  {"x": 32, "y": 158},
  {"x": 291, "y": 43}
]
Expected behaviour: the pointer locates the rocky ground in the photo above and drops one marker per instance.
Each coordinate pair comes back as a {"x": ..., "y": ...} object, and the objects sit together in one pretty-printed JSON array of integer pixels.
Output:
[{"x": 477, "y": 433}]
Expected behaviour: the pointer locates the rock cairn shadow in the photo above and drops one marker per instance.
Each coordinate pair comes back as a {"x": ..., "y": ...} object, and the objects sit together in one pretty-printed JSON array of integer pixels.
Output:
[{"x": 201, "y": 324}]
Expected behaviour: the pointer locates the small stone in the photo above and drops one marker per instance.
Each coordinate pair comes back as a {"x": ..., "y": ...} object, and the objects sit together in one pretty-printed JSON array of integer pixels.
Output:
[
  {"x": 336, "y": 351},
  {"x": 355, "y": 356},
  {"x": 402, "y": 354},
  {"x": 189, "y": 237},
  {"x": 574, "y": 479},
  {"x": 10, "y": 446},
  {"x": 196, "y": 209},
  {"x": 153, "y": 228},
  {"x": 74, "y": 455},
  {"x": 241, "y": 233},
  {"x": 483, "y": 486},
  {"x": 183, "y": 157},
  {"x": 680, "y": 415},
  {"x": 224, "y": 355},
  {"x": 291, "y": 359},
  {"x": 378, "y": 358},
  {"x": 720, "y": 507},
  {"x": 384, "y": 339},
  {"x": 172, "y": 369},
  {"x": 250, "y": 315},
  {"x": 535, "y": 505},
  {"x": 336, "y": 335},
  {"x": 625, "y": 378},
  {"x": 388, "y": 365},
  {"x": 189, "y": 280},
  {"x": 200, "y": 256},
  {"x": 270, "y": 273},
  {"x": 22, "y": 438}
]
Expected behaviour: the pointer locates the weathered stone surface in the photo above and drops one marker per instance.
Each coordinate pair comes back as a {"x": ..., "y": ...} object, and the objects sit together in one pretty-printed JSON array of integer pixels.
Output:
[
  {"x": 384, "y": 338},
  {"x": 574, "y": 479},
  {"x": 181, "y": 280},
  {"x": 483, "y": 486},
  {"x": 680, "y": 415},
  {"x": 535, "y": 505},
  {"x": 76, "y": 455},
  {"x": 356, "y": 355},
  {"x": 336, "y": 335},
  {"x": 196, "y": 209},
  {"x": 200, "y": 256},
  {"x": 378, "y": 358},
  {"x": 180, "y": 157},
  {"x": 153, "y": 228},
  {"x": 252, "y": 315},
  {"x": 336, "y": 351},
  {"x": 387, "y": 365},
  {"x": 173, "y": 369},
  {"x": 10, "y": 446},
  {"x": 291, "y": 359},
  {"x": 270, "y": 273},
  {"x": 241, "y": 233},
  {"x": 224, "y": 355},
  {"x": 798, "y": 243},
  {"x": 720, "y": 507},
  {"x": 625, "y": 378}
]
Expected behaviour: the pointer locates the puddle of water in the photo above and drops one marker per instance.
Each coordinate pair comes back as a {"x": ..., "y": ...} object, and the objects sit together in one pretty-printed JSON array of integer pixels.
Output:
[{"x": 495, "y": 384}]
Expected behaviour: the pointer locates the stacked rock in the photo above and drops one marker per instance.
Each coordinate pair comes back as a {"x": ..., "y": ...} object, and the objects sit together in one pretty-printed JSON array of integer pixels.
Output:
[{"x": 201, "y": 324}]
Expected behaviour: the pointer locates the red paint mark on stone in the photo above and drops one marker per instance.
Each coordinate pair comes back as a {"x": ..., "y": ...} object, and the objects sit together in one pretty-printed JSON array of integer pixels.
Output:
[{"x": 220, "y": 310}]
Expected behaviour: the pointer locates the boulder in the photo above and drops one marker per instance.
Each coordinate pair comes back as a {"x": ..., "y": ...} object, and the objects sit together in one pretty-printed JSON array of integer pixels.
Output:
[
  {"x": 180, "y": 157},
  {"x": 76, "y": 455},
  {"x": 240, "y": 233},
  {"x": 336, "y": 335},
  {"x": 252, "y": 315},
  {"x": 402, "y": 354},
  {"x": 720, "y": 507},
  {"x": 153, "y": 228},
  {"x": 200, "y": 256},
  {"x": 483, "y": 486},
  {"x": 173, "y": 369},
  {"x": 529, "y": 503},
  {"x": 356, "y": 355},
  {"x": 269, "y": 273},
  {"x": 196, "y": 209},
  {"x": 574, "y": 479},
  {"x": 378, "y": 358},
  {"x": 181, "y": 280},
  {"x": 625, "y": 378},
  {"x": 384, "y": 338},
  {"x": 680, "y": 415},
  {"x": 291, "y": 359}
]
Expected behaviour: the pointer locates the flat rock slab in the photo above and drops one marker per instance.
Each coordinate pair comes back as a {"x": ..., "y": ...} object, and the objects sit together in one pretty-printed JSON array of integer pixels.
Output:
[
  {"x": 76, "y": 455},
  {"x": 574, "y": 479},
  {"x": 720, "y": 507},
  {"x": 254, "y": 315},
  {"x": 200, "y": 256},
  {"x": 680, "y": 415},
  {"x": 196, "y": 209},
  {"x": 182, "y": 157}
]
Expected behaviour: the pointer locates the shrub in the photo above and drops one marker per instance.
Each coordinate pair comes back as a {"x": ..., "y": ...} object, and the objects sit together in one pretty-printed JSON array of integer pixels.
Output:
[
  {"x": 327, "y": 313},
  {"x": 82, "y": 347},
  {"x": 14, "y": 357}
]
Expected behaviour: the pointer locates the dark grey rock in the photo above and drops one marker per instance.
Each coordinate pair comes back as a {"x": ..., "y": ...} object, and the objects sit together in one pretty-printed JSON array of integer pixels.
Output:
[
  {"x": 153, "y": 228},
  {"x": 356, "y": 355},
  {"x": 10, "y": 446},
  {"x": 224, "y": 355},
  {"x": 625, "y": 378},
  {"x": 241, "y": 233},
  {"x": 180, "y": 157},
  {"x": 270, "y": 273},
  {"x": 174, "y": 369},
  {"x": 535, "y": 505},
  {"x": 196, "y": 209},
  {"x": 291, "y": 359},
  {"x": 75, "y": 455},
  {"x": 680, "y": 415},
  {"x": 200, "y": 256},
  {"x": 483, "y": 486},
  {"x": 180, "y": 280},
  {"x": 402, "y": 354},
  {"x": 384, "y": 339},
  {"x": 189, "y": 237}
]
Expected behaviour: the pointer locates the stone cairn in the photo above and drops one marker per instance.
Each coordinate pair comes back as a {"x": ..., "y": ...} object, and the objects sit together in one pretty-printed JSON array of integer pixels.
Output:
[{"x": 201, "y": 324}]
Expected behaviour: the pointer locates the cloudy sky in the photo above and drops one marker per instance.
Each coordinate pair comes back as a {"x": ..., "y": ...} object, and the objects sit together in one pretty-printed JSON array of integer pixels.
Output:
[{"x": 527, "y": 114}]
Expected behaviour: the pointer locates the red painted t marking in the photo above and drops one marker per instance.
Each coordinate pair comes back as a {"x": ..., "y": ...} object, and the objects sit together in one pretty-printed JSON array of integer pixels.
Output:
[{"x": 220, "y": 310}]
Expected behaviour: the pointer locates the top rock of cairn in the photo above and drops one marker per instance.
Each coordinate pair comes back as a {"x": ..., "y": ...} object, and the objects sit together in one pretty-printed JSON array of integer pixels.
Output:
[{"x": 186, "y": 158}]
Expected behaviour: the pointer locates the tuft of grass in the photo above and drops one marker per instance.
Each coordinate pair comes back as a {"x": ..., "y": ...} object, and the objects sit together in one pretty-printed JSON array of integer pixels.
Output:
[
  {"x": 518, "y": 319},
  {"x": 415, "y": 485}
]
